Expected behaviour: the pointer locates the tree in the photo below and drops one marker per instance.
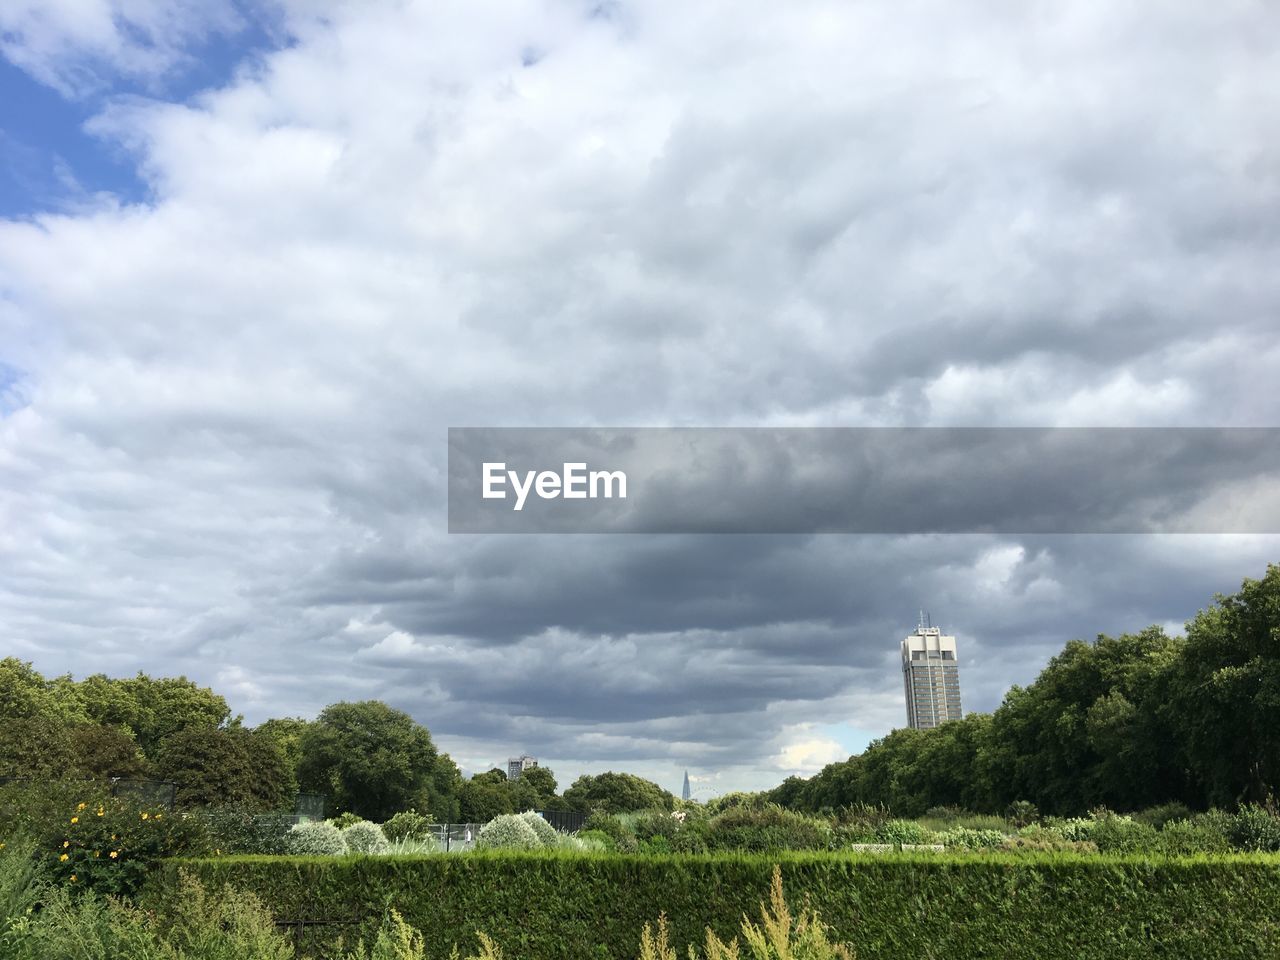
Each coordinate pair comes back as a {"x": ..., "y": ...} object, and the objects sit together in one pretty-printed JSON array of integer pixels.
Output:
[
  {"x": 617, "y": 793},
  {"x": 534, "y": 789},
  {"x": 1221, "y": 700},
  {"x": 225, "y": 767},
  {"x": 371, "y": 760},
  {"x": 153, "y": 709},
  {"x": 106, "y": 752},
  {"x": 35, "y": 715},
  {"x": 482, "y": 798}
]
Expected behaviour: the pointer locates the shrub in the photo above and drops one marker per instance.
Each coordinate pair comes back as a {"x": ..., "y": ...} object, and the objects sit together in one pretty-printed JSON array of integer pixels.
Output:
[
  {"x": 1022, "y": 813},
  {"x": 508, "y": 832},
  {"x": 230, "y": 830},
  {"x": 320, "y": 838},
  {"x": 409, "y": 825},
  {"x": 194, "y": 925},
  {"x": 1180, "y": 838},
  {"x": 595, "y": 840},
  {"x": 1165, "y": 813},
  {"x": 1255, "y": 828},
  {"x": 548, "y": 835},
  {"x": 344, "y": 820},
  {"x": 1021, "y": 907},
  {"x": 654, "y": 823},
  {"x": 967, "y": 839},
  {"x": 1113, "y": 833},
  {"x": 364, "y": 837},
  {"x": 1037, "y": 840},
  {"x": 623, "y": 840},
  {"x": 765, "y": 828},
  {"x": 111, "y": 846},
  {"x": 224, "y": 925},
  {"x": 903, "y": 831},
  {"x": 779, "y": 936}
]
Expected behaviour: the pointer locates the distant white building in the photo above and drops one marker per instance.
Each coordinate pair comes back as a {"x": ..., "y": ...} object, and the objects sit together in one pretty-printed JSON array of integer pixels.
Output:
[
  {"x": 518, "y": 765},
  {"x": 931, "y": 677}
]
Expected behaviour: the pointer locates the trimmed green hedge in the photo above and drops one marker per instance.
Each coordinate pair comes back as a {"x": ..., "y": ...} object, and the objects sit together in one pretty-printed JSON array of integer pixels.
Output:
[{"x": 541, "y": 906}]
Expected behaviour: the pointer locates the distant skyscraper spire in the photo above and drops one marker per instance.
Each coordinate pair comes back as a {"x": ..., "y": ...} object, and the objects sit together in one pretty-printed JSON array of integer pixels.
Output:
[{"x": 684, "y": 794}]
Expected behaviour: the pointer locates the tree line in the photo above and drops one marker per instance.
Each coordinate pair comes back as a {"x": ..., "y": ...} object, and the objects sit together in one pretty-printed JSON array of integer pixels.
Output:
[
  {"x": 364, "y": 757},
  {"x": 1125, "y": 722}
]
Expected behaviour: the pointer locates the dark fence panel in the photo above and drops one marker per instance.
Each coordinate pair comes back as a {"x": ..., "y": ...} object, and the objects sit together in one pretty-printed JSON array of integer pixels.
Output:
[{"x": 566, "y": 821}]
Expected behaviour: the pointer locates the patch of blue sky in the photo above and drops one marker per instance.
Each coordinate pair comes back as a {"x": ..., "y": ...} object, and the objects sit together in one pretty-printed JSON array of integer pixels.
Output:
[
  {"x": 50, "y": 162},
  {"x": 13, "y": 397}
]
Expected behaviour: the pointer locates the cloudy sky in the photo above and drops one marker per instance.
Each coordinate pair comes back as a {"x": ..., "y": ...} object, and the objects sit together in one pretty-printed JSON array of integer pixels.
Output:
[{"x": 255, "y": 261}]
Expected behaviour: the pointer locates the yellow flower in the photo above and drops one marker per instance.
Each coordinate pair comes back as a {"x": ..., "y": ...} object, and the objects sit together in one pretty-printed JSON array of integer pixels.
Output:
[
  {"x": 73, "y": 878},
  {"x": 114, "y": 854},
  {"x": 66, "y": 843},
  {"x": 62, "y": 858},
  {"x": 145, "y": 815},
  {"x": 81, "y": 806},
  {"x": 99, "y": 813},
  {"x": 75, "y": 819},
  {"x": 97, "y": 853},
  {"x": 159, "y": 815}
]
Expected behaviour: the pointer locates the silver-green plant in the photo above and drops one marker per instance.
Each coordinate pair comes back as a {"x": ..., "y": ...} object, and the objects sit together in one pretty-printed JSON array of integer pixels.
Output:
[
  {"x": 319, "y": 838},
  {"x": 508, "y": 832},
  {"x": 365, "y": 837},
  {"x": 548, "y": 834}
]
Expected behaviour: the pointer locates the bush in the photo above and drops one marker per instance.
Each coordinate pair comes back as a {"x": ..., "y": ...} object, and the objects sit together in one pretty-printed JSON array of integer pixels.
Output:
[
  {"x": 86, "y": 926},
  {"x": 548, "y": 835},
  {"x": 344, "y": 820},
  {"x": 1255, "y": 828},
  {"x": 1113, "y": 833},
  {"x": 1180, "y": 838},
  {"x": 1019, "y": 907},
  {"x": 623, "y": 840},
  {"x": 904, "y": 831},
  {"x": 596, "y": 840},
  {"x": 1165, "y": 813},
  {"x": 1022, "y": 813},
  {"x": 766, "y": 828},
  {"x": 508, "y": 832},
  {"x": 364, "y": 837},
  {"x": 967, "y": 839},
  {"x": 779, "y": 936},
  {"x": 230, "y": 830},
  {"x": 409, "y": 825},
  {"x": 112, "y": 845},
  {"x": 320, "y": 838}
]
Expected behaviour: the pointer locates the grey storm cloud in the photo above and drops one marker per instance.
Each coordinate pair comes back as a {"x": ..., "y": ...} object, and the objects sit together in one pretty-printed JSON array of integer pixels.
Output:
[{"x": 224, "y": 411}]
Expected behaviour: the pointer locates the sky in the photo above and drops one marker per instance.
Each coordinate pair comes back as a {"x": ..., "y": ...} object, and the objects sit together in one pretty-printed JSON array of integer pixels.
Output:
[{"x": 255, "y": 260}]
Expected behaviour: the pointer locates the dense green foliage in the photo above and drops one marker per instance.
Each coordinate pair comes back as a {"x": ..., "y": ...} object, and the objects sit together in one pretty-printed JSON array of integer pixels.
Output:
[
  {"x": 616, "y": 793},
  {"x": 565, "y": 907},
  {"x": 1124, "y": 722},
  {"x": 375, "y": 761}
]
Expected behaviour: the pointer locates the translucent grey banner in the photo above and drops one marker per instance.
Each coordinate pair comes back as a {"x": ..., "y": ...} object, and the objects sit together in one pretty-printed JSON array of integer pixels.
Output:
[{"x": 864, "y": 480}]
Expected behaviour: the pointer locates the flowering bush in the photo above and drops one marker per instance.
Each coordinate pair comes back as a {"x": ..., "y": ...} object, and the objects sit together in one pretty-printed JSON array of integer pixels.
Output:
[
  {"x": 508, "y": 832},
  {"x": 317, "y": 839},
  {"x": 111, "y": 845},
  {"x": 364, "y": 837}
]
